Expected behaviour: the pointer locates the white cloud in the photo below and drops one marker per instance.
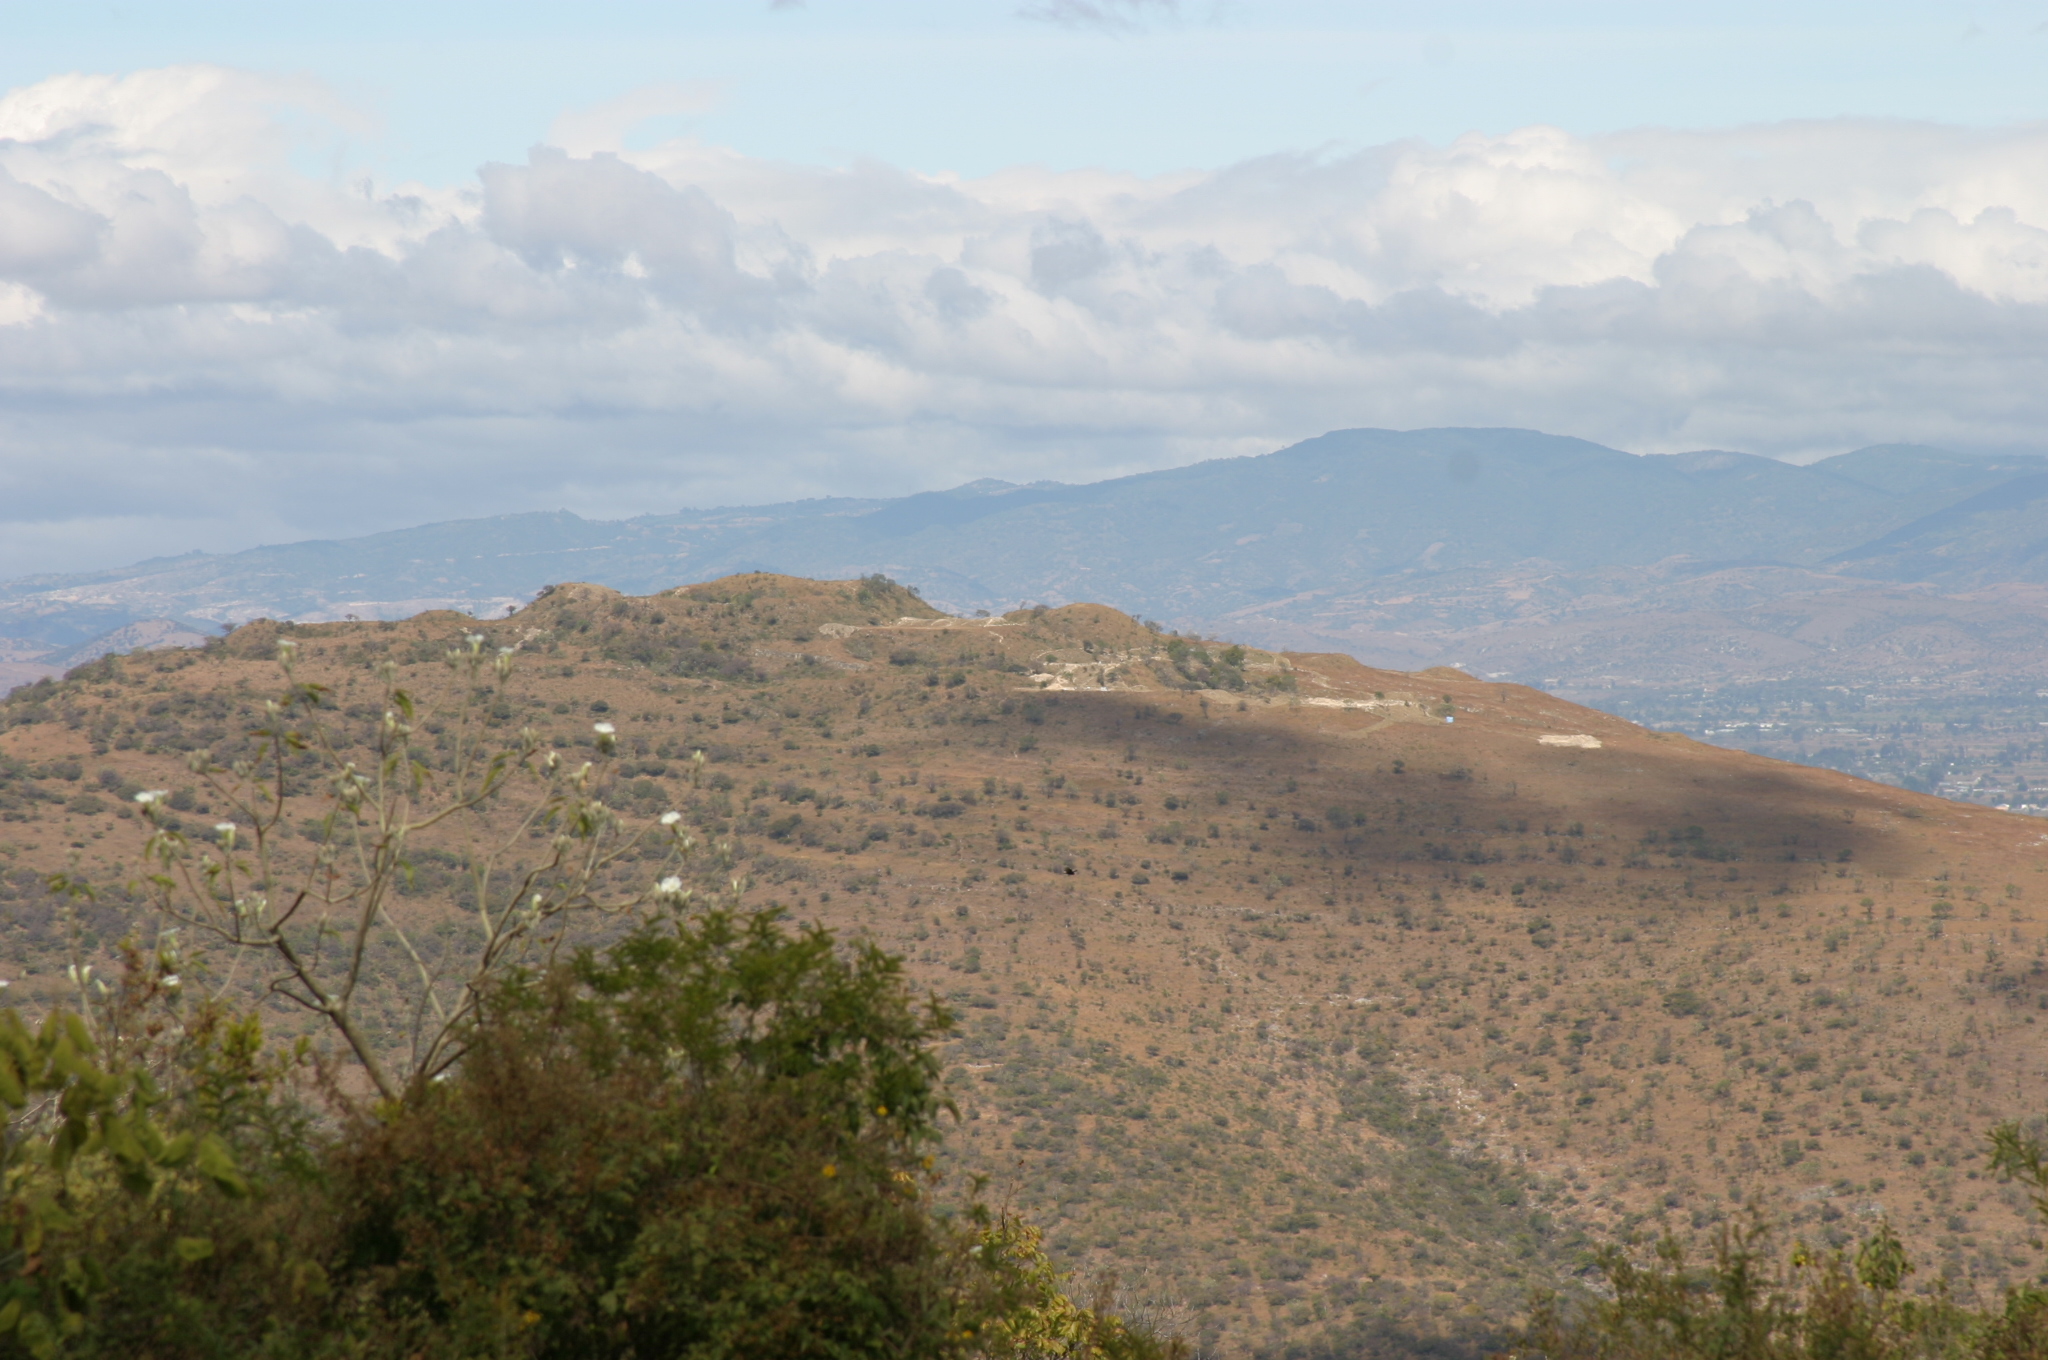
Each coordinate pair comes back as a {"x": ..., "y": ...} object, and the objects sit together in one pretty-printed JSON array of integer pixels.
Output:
[
  {"x": 203, "y": 344},
  {"x": 605, "y": 126}
]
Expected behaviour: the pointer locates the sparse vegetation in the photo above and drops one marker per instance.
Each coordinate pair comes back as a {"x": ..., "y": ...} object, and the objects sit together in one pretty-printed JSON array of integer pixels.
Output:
[{"x": 1326, "y": 1026}]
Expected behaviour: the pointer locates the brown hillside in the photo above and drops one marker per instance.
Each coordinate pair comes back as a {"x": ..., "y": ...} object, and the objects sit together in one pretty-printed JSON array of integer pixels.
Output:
[{"x": 1315, "y": 999}]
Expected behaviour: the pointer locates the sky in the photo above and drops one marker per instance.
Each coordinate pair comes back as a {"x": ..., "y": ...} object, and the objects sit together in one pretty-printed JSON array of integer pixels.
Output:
[{"x": 279, "y": 271}]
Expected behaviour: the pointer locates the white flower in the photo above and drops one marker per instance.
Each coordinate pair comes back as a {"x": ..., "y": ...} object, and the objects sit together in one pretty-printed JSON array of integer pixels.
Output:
[
  {"x": 669, "y": 886},
  {"x": 671, "y": 818},
  {"x": 172, "y": 981},
  {"x": 603, "y": 729},
  {"x": 225, "y": 829},
  {"x": 148, "y": 796}
]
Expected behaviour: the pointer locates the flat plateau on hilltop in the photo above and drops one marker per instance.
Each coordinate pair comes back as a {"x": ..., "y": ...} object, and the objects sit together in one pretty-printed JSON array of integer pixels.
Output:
[{"x": 1329, "y": 1006}]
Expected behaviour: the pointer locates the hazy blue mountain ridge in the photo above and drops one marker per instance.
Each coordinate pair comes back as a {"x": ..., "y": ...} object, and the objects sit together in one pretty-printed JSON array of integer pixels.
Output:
[
  {"x": 1917, "y": 470},
  {"x": 1999, "y": 534},
  {"x": 1388, "y": 543}
]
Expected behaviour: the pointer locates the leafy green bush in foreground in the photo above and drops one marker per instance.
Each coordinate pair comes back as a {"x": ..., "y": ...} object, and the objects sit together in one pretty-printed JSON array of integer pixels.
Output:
[{"x": 712, "y": 1139}]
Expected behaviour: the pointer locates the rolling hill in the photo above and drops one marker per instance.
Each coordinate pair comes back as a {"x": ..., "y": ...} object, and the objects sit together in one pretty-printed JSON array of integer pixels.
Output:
[{"x": 1334, "y": 1008}]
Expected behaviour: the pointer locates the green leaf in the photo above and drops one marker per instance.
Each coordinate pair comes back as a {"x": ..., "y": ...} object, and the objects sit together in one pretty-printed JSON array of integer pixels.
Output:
[
  {"x": 191, "y": 1249},
  {"x": 12, "y": 1093},
  {"x": 39, "y": 1336},
  {"x": 9, "y": 1316},
  {"x": 217, "y": 1164}
]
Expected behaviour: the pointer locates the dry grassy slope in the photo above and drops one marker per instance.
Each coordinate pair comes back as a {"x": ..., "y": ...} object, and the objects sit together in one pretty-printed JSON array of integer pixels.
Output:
[{"x": 1301, "y": 1006}]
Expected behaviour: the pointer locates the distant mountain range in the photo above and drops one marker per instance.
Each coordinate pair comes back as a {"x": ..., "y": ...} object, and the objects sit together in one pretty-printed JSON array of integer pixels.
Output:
[{"x": 1515, "y": 553}]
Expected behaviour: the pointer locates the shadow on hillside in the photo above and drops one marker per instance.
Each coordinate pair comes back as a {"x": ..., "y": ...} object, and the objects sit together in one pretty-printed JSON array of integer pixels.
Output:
[
  {"x": 1379, "y": 1336},
  {"x": 1682, "y": 805}
]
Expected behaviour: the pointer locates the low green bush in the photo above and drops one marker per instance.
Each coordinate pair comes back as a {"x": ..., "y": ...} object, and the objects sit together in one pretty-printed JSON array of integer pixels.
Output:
[
  {"x": 714, "y": 1138},
  {"x": 1750, "y": 1305}
]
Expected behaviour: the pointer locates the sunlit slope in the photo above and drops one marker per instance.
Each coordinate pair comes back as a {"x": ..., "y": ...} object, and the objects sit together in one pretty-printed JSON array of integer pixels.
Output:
[{"x": 1317, "y": 1000}]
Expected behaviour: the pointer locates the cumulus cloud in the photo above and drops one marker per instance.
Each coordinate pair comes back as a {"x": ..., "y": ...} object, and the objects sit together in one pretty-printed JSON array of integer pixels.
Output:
[{"x": 203, "y": 345}]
